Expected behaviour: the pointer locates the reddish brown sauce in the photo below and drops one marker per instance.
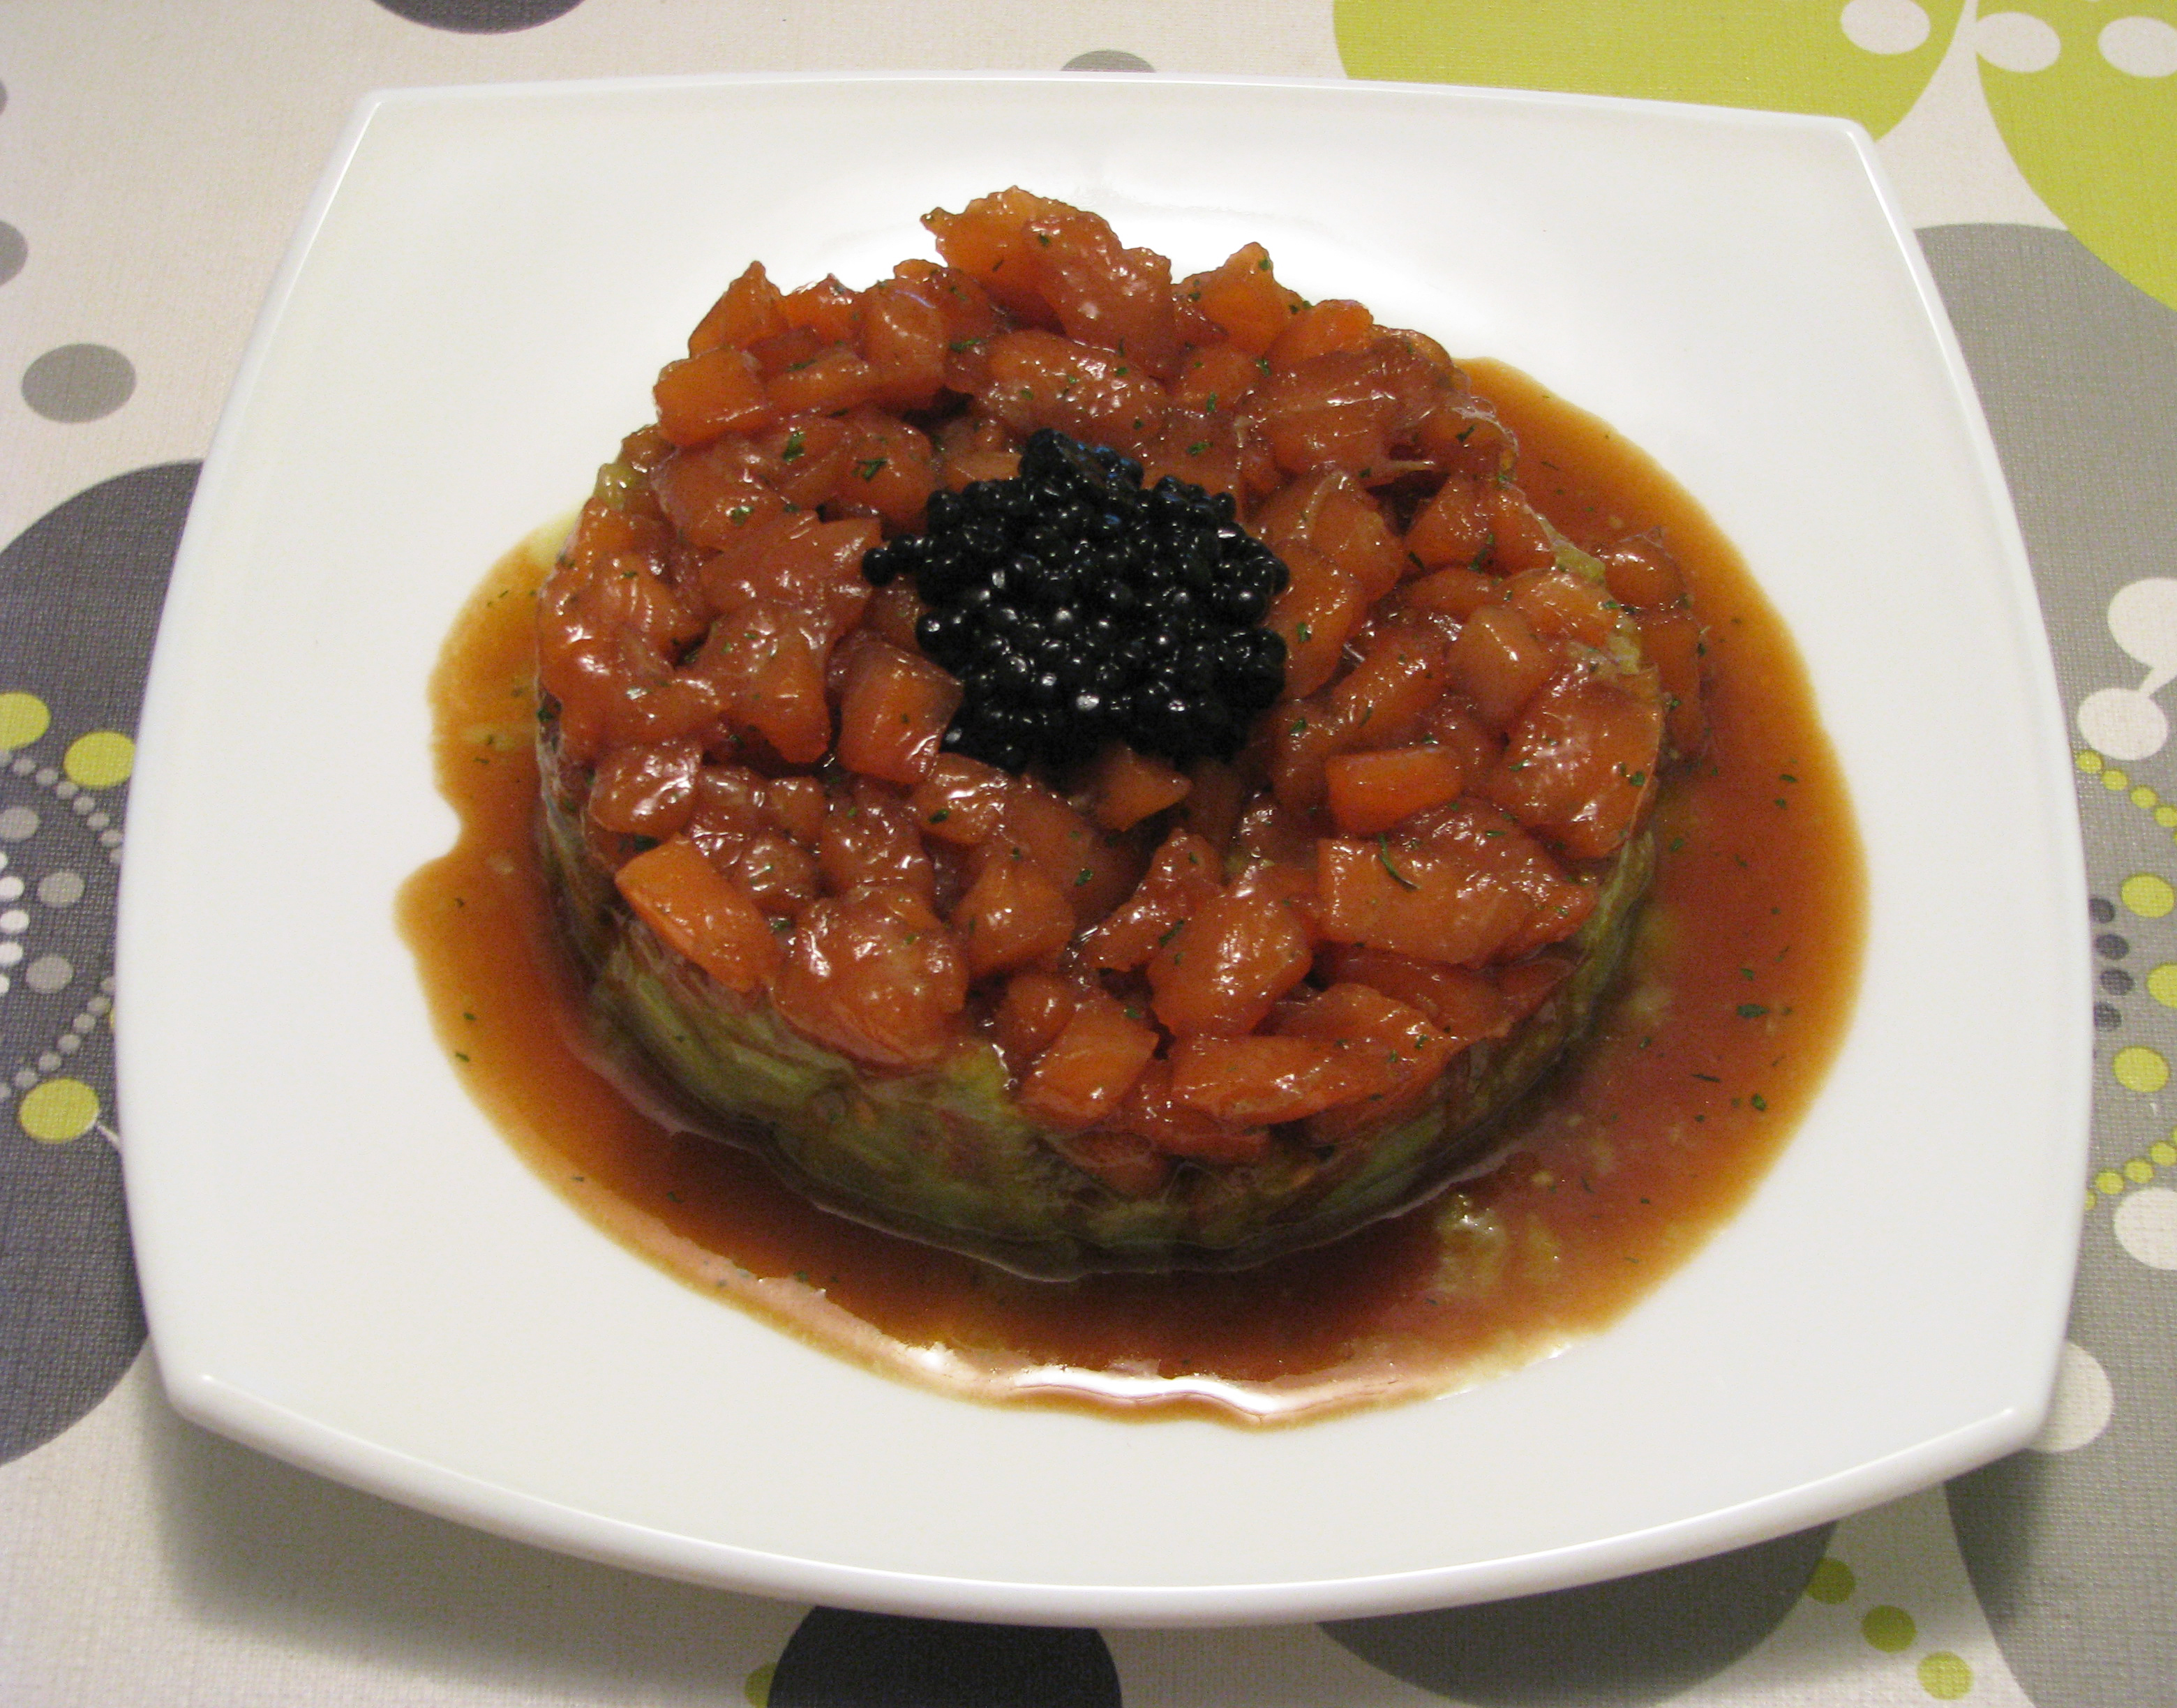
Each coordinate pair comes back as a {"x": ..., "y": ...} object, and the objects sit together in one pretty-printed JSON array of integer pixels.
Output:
[{"x": 1734, "y": 1000}]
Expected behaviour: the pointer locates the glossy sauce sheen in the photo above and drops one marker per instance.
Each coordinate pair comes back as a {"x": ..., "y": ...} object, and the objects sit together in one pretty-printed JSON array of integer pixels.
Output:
[{"x": 1734, "y": 999}]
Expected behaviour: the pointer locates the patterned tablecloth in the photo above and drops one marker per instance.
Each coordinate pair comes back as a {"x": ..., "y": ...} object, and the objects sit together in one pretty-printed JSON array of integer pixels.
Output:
[{"x": 154, "y": 159}]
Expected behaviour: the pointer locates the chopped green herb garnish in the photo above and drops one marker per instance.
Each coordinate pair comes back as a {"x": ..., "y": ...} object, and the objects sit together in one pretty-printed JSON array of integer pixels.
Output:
[{"x": 1384, "y": 854}]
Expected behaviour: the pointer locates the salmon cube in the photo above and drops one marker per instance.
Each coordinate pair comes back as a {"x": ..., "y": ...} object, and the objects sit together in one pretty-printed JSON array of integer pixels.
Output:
[
  {"x": 1244, "y": 299},
  {"x": 1518, "y": 538},
  {"x": 1559, "y": 605},
  {"x": 892, "y": 712},
  {"x": 869, "y": 839},
  {"x": 1228, "y": 962},
  {"x": 1092, "y": 1063},
  {"x": 874, "y": 974},
  {"x": 1185, "y": 872},
  {"x": 829, "y": 382},
  {"x": 1464, "y": 1004},
  {"x": 699, "y": 912},
  {"x": 827, "y": 309},
  {"x": 1642, "y": 573},
  {"x": 1389, "y": 1042},
  {"x": 1096, "y": 870},
  {"x": 1580, "y": 766},
  {"x": 1404, "y": 672},
  {"x": 768, "y": 662},
  {"x": 1338, "y": 325},
  {"x": 1371, "y": 792},
  {"x": 1177, "y": 1129},
  {"x": 747, "y": 313},
  {"x": 812, "y": 568},
  {"x": 1349, "y": 528},
  {"x": 1103, "y": 293},
  {"x": 903, "y": 339},
  {"x": 961, "y": 800},
  {"x": 1456, "y": 525},
  {"x": 1260, "y": 1081},
  {"x": 1215, "y": 379},
  {"x": 1500, "y": 663},
  {"x": 648, "y": 789},
  {"x": 1327, "y": 411},
  {"x": 1314, "y": 615},
  {"x": 1673, "y": 643},
  {"x": 1127, "y": 788},
  {"x": 717, "y": 391},
  {"x": 1032, "y": 1013},
  {"x": 1436, "y": 906},
  {"x": 1457, "y": 591},
  {"x": 1014, "y": 915}
]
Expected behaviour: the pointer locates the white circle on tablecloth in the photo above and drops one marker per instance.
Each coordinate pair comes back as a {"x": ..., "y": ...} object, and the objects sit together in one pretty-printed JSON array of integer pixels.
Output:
[
  {"x": 2081, "y": 1408},
  {"x": 1885, "y": 26},
  {"x": 2016, "y": 41},
  {"x": 2140, "y": 47},
  {"x": 2146, "y": 1226},
  {"x": 2142, "y": 614},
  {"x": 2123, "y": 723}
]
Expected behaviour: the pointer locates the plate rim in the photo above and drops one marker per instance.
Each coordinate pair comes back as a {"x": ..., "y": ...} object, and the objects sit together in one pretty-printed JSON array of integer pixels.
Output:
[{"x": 233, "y": 1410}]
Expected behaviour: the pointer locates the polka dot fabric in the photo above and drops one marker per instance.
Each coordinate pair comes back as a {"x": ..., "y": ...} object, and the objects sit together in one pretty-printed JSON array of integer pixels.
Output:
[{"x": 142, "y": 1562}]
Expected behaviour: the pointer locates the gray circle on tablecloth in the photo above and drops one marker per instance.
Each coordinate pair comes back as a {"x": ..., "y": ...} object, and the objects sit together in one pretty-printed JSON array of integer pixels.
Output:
[
  {"x": 1108, "y": 59},
  {"x": 843, "y": 1660},
  {"x": 79, "y": 597},
  {"x": 78, "y": 382},
  {"x": 2075, "y": 368},
  {"x": 1636, "y": 1640},
  {"x": 2072, "y": 1553},
  {"x": 480, "y": 17},
  {"x": 14, "y": 251}
]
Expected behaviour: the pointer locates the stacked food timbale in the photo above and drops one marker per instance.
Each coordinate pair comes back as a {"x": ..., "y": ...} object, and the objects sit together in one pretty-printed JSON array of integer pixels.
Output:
[{"x": 1096, "y": 771}]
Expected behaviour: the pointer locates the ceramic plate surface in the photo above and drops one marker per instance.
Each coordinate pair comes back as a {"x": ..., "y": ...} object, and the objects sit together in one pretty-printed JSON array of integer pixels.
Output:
[{"x": 346, "y": 1265}]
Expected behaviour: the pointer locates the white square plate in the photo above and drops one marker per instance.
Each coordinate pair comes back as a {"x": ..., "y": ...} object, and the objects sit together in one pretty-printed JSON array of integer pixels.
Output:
[{"x": 347, "y": 1267}]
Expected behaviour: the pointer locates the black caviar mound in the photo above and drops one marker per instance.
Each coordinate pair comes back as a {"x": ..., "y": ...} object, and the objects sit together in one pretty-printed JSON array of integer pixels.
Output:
[{"x": 1078, "y": 608}]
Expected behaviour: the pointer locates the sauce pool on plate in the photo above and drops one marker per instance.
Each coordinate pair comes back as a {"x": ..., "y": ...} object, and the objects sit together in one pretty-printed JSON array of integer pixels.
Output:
[{"x": 1708, "y": 1049}]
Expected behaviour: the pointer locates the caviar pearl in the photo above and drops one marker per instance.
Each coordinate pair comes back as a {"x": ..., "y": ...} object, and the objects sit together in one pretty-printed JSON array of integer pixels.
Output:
[{"x": 1071, "y": 574}]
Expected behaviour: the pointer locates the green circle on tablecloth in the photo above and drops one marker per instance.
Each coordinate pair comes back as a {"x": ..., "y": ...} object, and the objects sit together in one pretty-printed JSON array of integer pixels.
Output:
[
  {"x": 23, "y": 719},
  {"x": 2098, "y": 141},
  {"x": 55, "y": 1111},
  {"x": 1795, "y": 58}
]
